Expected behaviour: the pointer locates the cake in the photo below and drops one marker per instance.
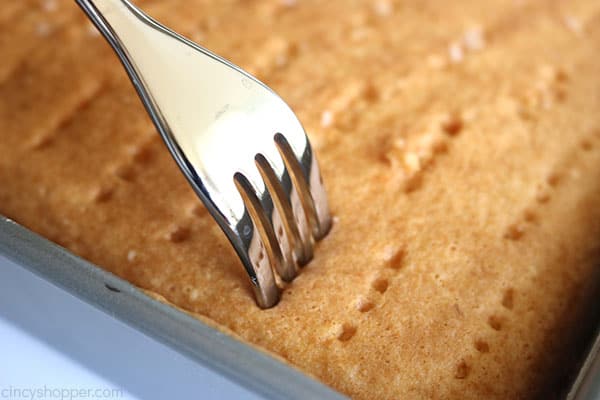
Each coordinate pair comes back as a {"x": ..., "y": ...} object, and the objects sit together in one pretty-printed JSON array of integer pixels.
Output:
[{"x": 459, "y": 144}]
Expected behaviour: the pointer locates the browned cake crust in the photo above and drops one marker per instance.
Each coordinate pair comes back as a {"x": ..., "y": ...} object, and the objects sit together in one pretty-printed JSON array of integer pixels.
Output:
[{"x": 460, "y": 145}]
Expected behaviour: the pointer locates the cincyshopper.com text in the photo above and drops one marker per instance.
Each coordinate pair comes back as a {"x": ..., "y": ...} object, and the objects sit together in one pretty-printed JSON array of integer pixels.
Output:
[{"x": 60, "y": 393}]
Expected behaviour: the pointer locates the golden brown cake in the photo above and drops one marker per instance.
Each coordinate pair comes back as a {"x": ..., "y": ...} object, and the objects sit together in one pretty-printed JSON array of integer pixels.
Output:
[{"x": 460, "y": 146}]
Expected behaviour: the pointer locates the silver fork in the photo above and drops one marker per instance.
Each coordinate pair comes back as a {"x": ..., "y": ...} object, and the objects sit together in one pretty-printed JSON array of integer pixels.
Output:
[{"x": 239, "y": 145}]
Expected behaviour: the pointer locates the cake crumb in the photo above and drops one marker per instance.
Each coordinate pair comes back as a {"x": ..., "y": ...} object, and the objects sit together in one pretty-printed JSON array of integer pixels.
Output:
[
  {"x": 436, "y": 61},
  {"x": 383, "y": 8},
  {"x": 455, "y": 52},
  {"x": 412, "y": 162},
  {"x": 49, "y": 5},
  {"x": 43, "y": 29},
  {"x": 326, "y": 119},
  {"x": 573, "y": 24},
  {"x": 131, "y": 255},
  {"x": 289, "y": 3},
  {"x": 473, "y": 39}
]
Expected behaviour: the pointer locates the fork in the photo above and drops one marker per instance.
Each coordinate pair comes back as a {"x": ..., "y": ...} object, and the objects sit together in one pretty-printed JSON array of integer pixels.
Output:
[{"x": 240, "y": 146}]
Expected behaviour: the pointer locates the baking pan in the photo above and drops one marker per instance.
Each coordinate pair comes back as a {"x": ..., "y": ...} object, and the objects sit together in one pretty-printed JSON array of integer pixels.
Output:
[
  {"x": 586, "y": 385},
  {"x": 194, "y": 339},
  {"x": 189, "y": 336}
]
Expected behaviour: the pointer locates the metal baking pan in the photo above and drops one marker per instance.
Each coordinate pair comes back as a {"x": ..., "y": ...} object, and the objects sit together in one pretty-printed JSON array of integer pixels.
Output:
[
  {"x": 237, "y": 361},
  {"x": 586, "y": 385}
]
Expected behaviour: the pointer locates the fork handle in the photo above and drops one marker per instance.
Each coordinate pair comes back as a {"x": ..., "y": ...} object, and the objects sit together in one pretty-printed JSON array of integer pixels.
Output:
[{"x": 120, "y": 18}]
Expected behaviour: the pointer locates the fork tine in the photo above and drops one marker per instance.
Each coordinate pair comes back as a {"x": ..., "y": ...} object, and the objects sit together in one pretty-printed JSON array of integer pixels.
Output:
[
  {"x": 280, "y": 219},
  {"x": 259, "y": 267},
  {"x": 295, "y": 224},
  {"x": 285, "y": 264},
  {"x": 319, "y": 196},
  {"x": 307, "y": 179}
]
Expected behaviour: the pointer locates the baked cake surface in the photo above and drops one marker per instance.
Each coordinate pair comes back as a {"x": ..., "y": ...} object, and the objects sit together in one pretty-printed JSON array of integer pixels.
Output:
[{"x": 460, "y": 146}]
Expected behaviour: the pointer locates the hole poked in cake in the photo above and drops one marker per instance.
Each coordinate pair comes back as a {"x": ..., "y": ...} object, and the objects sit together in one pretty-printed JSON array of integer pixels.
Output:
[
  {"x": 559, "y": 94},
  {"x": 508, "y": 298},
  {"x": 125, "y": 172},
  {"x": 413, "y": 183},
  {"x": 481, "y": 346},
  {"x": 142, "y": 154},
  {"x": 198, "y": 210},
  {"x": 529, "y": 215},
  {"x": 462, "y": 370},
  {"x": 495, "y": 322},
  {"x": 586, "y": 145},
  {"x": 178, "y": 234},
  {"x": 452, "y": 124},
  {"x": 542, "y": 195},
  {"x": 347, "y": 332},
  {"x": 364, "y": 305},
  {"x": 514, "y": 232},
  {"x": 554, "y": 178},
  {"x": 394, "y": 256},
  {"x": 102, "y": 194},
  {"x": 553, "y": 73},
  {"x": 41, "y": 141},
  {"x": 380, "y": 285}
]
